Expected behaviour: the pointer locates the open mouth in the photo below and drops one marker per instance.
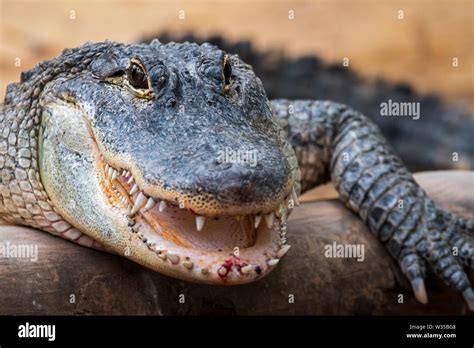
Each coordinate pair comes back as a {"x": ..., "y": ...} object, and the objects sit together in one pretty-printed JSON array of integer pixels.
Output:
[{"x": 231, "y": 248}]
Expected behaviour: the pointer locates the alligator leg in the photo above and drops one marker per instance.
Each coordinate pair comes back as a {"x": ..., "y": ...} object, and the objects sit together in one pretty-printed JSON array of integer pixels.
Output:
[{"x": 335, "y": 142}]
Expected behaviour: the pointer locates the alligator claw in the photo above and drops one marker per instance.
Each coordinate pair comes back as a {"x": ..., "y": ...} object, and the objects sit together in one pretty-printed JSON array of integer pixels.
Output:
[
  {"x": 468, "y": 295},
  {"x": 432, "y": 244}
]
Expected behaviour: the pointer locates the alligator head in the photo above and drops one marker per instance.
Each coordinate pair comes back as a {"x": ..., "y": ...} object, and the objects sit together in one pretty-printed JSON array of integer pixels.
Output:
[{"x": 170, "y": 156}]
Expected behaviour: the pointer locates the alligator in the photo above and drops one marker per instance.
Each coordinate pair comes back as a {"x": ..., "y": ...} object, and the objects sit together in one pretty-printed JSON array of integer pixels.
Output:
[{"x": 172, "y": 156}]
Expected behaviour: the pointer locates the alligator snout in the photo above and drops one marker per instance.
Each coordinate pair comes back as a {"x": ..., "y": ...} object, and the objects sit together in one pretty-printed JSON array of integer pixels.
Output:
[
  {"x": 247, "y": 178},
  {"x": 244, "y": 176}
]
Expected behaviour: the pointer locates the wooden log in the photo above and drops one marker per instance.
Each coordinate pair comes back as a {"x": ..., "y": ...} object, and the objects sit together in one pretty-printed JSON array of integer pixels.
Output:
[{"x": 70, "y": 279}]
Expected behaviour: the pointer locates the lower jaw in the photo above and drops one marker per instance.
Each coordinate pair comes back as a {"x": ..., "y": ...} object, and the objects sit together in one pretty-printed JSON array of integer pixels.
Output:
[
  {"x": 236, "y": 265},
  {"x": 232, "y": 265}
]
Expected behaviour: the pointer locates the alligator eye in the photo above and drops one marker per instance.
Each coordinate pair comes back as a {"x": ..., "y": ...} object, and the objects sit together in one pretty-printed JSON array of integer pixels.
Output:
[
  {"x": 227, "y": 73},
  {"x": 137, "y": 76}
]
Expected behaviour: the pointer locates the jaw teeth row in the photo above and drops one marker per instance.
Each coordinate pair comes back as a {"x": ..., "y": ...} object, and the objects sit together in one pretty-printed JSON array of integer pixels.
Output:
[
  {"x": 143, "y": 203},
  {"x": 223, "y": 272}
]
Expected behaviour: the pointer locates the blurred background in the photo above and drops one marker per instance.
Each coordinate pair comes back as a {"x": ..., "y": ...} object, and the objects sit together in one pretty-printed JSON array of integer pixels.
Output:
[
  {"x": 402, "y": 50},
  {"x": 399, "y": 50}
]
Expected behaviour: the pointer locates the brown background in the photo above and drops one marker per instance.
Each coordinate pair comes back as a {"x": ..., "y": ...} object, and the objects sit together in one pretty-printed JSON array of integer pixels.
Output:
[{"x": 418, "y": 49}]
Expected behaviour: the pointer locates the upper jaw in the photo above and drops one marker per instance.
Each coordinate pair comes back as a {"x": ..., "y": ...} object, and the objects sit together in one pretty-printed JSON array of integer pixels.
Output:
[{"x": 231, "y": 265}]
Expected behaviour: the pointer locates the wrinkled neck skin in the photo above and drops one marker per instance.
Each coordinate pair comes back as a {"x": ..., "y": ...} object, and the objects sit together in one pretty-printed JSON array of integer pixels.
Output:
[{"x": 23, "y": 198}]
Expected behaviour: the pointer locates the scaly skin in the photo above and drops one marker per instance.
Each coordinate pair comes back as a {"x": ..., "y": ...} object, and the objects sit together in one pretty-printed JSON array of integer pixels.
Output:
[
  {"x": 117, "y": 147},
  {"x": 331, "y": 140}
]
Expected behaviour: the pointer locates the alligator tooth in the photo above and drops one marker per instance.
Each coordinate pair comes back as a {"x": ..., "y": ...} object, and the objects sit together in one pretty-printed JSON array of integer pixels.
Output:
[
  {"x": 149, "y": 204},
  {"x": 162, "y": 206},
  {"x": 284, "y": 212},
  {"x": 188, "y": 264},
  {"x": 124, "y": 172},
  {"x": 246, "y": 269},
  {"x": 283, "y": 251},
  {"x": 222, "y": 271},
  {"x": 134, "y": 189},
  {"x": 272, "y": 262},
  {"x": 173, "y": 258},
  {"x": 279, "y": 211},
  {"x": 110, "y": 172},
  {"x": 139, "y": 203},
  {"x": 127, "y": 174},
  {"x": 295, "y": 197},
  {"x": 269, "y": 219},
  {"x": 162, "y": 256},
  {"x": 200, "y": 220},
  {"x": 114, "y": 174},
  {"x": 205, "y": 270},
  {"x": 107, "y": 167},
  {"x": 258, "y": 218},
  {"x": 130, "y": 180}
]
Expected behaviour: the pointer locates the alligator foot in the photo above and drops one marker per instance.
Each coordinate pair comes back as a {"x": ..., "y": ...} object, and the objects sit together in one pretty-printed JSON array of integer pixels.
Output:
[{"x": 442, "y": 243}]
